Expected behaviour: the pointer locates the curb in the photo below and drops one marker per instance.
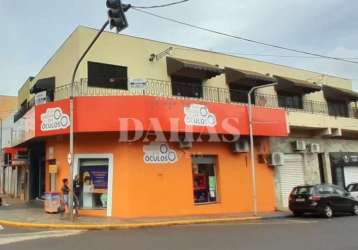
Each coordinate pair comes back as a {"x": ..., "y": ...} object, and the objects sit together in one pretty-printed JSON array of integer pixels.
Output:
[{"x": 125, "y": 225}]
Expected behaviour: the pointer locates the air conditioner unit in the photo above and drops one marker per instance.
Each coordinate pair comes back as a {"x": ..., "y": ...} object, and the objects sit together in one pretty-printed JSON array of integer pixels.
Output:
[
  {"x": 299, "y": 145},
  {"x": 314, "y": 148},
  {"x": 276, "y": 159},
  {"x": 183, "y": 144},
  {"x": 241, "y": 146}
]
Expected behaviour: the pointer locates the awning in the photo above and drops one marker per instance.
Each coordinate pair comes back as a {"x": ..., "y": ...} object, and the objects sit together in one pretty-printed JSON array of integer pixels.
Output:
[
  {"x": 194, "y": 69},
  {"x": 295, "y": 85},
  {"x": 334, "y": 93},
  {"x": 246, "y": 78},
  {"x": 47, "y": 84}
]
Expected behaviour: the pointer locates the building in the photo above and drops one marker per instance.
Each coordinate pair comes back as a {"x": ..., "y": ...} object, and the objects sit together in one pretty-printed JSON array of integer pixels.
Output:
[
  {"x": 160, "y": 129},
  {"x": 8, "y": 105}
]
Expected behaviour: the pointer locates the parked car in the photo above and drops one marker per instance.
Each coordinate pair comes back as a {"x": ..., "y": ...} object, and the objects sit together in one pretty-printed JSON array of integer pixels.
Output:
[
  {"x": 353, "y": 190},
  {"x": 321, "y": 199}
]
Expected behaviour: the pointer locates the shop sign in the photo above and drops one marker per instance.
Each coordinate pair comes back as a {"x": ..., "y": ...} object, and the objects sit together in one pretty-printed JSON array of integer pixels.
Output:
[
  {"x": 159, "y": 153},
  {"x": 40, "y": 98},
  {"x": 54, "y": 119},
  {"x": 199, "y": 115},
  {"x": 137, "y": 84},
  {"x": 52, "y": 169},
  {"x": 344, "y": 158}
]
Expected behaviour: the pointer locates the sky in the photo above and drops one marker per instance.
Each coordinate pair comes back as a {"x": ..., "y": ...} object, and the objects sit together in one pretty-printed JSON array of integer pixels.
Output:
[{"x": 31, "y": 31}]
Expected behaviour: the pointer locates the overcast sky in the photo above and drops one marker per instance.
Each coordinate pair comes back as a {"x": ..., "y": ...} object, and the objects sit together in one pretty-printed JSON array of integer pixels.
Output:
[{"x": 31, "y": 31}]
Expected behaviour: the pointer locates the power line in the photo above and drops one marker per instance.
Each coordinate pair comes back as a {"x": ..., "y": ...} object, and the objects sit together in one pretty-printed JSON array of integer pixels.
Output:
[
  {"x": 242, "y": 38},
  {"x": 160, "y": 6}
]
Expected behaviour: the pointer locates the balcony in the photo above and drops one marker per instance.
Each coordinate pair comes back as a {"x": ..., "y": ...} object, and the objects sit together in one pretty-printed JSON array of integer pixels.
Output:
[{"x": 298, "y": 117}]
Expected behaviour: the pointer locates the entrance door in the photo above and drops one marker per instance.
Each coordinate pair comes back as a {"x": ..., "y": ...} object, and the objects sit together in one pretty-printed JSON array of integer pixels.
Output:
[
  {"x": 95, "y": 174},
  {"x": 321, "y": 167},
  {"x": 350, "y": 175},
  {"x": 291, "y": 174}
]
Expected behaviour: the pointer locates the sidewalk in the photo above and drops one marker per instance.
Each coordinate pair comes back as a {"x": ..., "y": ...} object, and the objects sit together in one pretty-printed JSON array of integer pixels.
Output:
[{"x": 31, "y": 215}]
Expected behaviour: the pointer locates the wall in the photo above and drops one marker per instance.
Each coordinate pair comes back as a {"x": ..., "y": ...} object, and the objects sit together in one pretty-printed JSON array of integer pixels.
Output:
[
  {"x": 142, "y": 190},
  {"x": 8, "y": 104}
]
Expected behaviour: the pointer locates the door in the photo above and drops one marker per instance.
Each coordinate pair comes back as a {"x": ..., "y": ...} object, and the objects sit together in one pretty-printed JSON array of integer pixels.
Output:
[
  {"x": 343, "y": 203},
  {"x": 350, "y": 175},
  {"x": 291, "y": 174}
]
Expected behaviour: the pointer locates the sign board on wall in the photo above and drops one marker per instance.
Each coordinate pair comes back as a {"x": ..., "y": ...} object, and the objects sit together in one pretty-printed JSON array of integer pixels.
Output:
[
  {"x": 52, "y": 169},
  {"x": 54, "y": 119},
  {"x": 40, "y": 98},
  {"x": 137, "y": 84},
  {"x": 199, "y": 115},
  {"x": 159, "y": 153}
]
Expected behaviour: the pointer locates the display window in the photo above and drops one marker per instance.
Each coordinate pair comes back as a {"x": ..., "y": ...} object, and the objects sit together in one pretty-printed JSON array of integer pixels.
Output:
[
  {"x": 91, "y": 187},
  {"x": 204, "y": 179}
]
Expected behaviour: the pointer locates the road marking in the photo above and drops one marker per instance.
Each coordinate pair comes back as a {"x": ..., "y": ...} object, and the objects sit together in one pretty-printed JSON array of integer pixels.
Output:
[
  {"x": 286, "y": 222},
  {"x": 12, "y": 238}
]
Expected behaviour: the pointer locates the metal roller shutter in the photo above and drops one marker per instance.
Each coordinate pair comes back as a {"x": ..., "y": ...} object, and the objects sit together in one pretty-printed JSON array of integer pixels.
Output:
[
  {"x": 350, "y": 175},
  {"x": 291, "y": 175}
]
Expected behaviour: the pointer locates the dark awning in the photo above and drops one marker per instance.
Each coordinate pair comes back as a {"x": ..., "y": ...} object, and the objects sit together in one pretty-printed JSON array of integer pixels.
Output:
[
  {"x": 194, "y": 69},
  {"x": 246, "y": 78},
  {"x": 47, "y": 84},
  {"x": 295, "y": 85},
  {"x": 334, "y": 93}
]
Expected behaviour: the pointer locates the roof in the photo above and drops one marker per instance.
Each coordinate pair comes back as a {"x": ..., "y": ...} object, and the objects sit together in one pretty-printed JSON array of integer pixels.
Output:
[
  {"x": 339, "y": 93},
  {"x": 246, "y": 78}
]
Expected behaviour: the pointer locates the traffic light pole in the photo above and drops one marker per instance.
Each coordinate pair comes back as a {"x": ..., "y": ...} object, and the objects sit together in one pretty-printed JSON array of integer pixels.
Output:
[{"x": 71, "y": 153}]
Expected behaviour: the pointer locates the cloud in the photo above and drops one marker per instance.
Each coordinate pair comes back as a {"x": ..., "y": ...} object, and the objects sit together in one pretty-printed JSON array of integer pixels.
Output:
[{"x": 322, "y": 26}]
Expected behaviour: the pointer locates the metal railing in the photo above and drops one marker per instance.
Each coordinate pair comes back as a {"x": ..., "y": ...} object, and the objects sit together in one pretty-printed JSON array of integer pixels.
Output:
[{"x": 154, "y": 87}]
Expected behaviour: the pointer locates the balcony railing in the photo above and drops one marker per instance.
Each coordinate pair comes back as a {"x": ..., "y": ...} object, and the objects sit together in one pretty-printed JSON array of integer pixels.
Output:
[{"x": 162, "y": 88}]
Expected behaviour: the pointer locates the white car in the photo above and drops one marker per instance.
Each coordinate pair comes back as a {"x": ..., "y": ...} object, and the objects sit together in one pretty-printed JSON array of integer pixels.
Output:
[{"x": 353, "y": 190}]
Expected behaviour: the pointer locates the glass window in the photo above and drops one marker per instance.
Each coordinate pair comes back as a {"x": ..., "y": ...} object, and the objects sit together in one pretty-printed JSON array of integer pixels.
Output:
[
  {"x": 103, "y": 75},
  {"x": 352, "y": 188},
  {"x": 288, "y": 100},
  {"x": 337, "y": 108},
  {"x": 325, "y": 190},
  {"x": 204, "y": 180},
  {"x": 92, "y": 185},
  {"x": 185, "y": 86},
  {"x": 339, "y": 191},
  {"x": 303, "y": 191}
]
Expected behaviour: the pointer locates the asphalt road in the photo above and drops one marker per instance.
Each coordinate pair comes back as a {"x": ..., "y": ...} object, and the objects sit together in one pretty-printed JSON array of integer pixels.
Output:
[{"x": 279, "y": 234}]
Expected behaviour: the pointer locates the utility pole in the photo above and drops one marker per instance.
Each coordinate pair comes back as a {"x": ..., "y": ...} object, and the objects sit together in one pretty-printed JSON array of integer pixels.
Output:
[
  {"x": 252, "y": 148},
  {"x": 116, "y": 19}
]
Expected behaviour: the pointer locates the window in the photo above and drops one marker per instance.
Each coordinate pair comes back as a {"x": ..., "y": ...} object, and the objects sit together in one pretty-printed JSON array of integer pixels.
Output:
[
  {"x": 107, "y": 76},
  {"x": 325, "y": 190},
  {"x": 337, "y": 108},
  {"x": 93, "y": 183},
  {"x": 204, "y": 179},
  {"x": 340, "y": 192},
  {"x": 290, "y": 100},
  {"x": 240, "y": 95},
  {"x": 352, "y": 188},
  {"x": 185, "y": 86},
  {"x": 303, "y": 191}
]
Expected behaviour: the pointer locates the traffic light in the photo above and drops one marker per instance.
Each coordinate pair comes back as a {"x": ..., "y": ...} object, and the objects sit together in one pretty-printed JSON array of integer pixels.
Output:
[{"x": 116, "y": 15}]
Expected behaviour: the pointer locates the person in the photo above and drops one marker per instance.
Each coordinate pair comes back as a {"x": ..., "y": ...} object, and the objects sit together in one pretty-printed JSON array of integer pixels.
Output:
[
  {"x": 77, "y": 189},
  {"x": 64, "y": 201},
  {"x": 87, "y": 195}
]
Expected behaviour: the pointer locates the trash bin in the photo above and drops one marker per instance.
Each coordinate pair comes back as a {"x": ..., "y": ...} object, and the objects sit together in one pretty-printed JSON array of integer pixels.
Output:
[{"x": 52, "y": 202}]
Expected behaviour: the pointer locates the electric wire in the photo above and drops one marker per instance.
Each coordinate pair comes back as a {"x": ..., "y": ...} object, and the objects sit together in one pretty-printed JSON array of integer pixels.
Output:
[
  {"x": 240, "y": 37},
  {"x": 159, "y": 6}
]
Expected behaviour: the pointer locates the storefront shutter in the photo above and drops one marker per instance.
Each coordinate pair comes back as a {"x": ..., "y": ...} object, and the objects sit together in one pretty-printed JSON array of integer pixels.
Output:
[
  {"x": 291, "y": 174},
  {"x": 350, "y": 175}
]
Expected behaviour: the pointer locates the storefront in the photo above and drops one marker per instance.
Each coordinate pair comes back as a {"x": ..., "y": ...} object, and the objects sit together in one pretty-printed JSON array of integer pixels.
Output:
[
  {"x": 344, "y": 168},
  {"x": 125, "y": 171}
]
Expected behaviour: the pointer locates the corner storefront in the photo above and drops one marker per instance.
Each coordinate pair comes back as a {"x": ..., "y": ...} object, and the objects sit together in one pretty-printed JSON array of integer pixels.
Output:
[{"x": 141, "y": 176}]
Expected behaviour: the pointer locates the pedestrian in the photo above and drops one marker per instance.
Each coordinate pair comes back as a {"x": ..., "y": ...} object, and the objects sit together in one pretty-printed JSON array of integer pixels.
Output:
[
  {"x": 64, "y": 201},
  {"x": 77, "y": 189}
]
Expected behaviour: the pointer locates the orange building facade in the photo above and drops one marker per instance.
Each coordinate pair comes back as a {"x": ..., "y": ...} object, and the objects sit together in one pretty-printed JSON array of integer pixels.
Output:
[{"x": 142, "y": 169}]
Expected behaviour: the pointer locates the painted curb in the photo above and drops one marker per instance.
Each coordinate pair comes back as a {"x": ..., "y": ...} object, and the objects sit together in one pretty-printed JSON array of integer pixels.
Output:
[{"x": 123, "y": 226}]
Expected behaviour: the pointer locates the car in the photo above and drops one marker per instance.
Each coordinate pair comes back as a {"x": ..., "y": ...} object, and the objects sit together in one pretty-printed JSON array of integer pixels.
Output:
[
  {"x": 353, "y": 190},
  {"x": 324, "y": 199}
]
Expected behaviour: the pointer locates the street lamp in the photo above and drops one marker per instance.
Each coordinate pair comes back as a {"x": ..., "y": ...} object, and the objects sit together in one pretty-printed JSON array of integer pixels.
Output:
[
  {"x": 252, "y": 153},
  {"x": 116, "y": 19}
]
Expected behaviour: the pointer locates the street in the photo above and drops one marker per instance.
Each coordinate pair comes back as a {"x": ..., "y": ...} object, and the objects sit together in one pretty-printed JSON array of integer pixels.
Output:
[{"x": 291, "y": 233}]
